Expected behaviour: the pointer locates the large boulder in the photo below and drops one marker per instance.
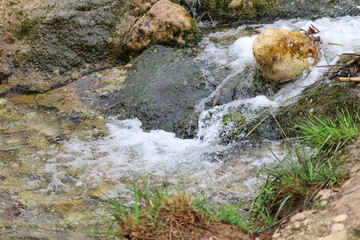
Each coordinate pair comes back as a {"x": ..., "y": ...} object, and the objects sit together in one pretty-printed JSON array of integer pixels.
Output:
[
  {"x": 166, "y": 22},
  {"x": 46, "y": 44},
  {"x": 49, "y": 43},
  {"x": 284, "y": 55}
]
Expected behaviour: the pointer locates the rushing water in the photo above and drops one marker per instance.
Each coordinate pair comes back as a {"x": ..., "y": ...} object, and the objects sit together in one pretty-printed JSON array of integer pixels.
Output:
[
  {"x": 80, "y": 166},
  {"x": 129, "y": 150}
]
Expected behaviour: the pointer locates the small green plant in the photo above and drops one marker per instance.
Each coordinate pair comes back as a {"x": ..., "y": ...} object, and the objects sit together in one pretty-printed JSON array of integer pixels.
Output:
[
  {"x": 10, "y": 4},
  {"x": 293, "y": 179},
  {"x": 330, "y": 134},
  {"x": 27, "y": 28},
  {"x": 290, "y": 184},
  {"x": 156, "y": 214},
  {"x": 317, "y": 205}
]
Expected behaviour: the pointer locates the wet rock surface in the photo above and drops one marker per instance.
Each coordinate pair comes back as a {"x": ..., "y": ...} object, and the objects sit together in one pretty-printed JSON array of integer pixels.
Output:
[
  {"x": 30, "y": 207},
  {"x": 161, "y": 88},
  {"x": 49, "y": 136},
  {"x": 47, "y": 44},
  {"x": 334, "y": 95},
  {"x": 51, "y": 38}
]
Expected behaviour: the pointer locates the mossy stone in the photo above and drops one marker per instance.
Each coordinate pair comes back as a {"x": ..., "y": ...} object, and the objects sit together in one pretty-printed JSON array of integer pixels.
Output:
[{"x": 323, "y": 101}]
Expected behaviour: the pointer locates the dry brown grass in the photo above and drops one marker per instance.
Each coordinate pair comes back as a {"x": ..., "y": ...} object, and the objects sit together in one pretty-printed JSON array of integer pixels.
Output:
[{"x": 177, "y": 219}]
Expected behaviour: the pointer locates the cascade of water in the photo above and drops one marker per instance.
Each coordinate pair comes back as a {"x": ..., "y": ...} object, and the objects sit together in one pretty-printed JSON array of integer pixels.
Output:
[
  {"x": 227, "y": 169},
  {"x": 237, "y": 56}
]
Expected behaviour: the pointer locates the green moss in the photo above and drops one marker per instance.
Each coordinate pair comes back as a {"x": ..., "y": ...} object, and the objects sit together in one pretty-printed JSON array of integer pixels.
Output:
[
  {"x": 236, "y": 117},
  {"x": 10, "y": 4},
  {"x": 27, "y": 27},
  {"x": 256, "y": 9},
  {"x": 218, "y": 9},
  {"x": 322, "y": 101},
  {"x": 195, "y": 34}
]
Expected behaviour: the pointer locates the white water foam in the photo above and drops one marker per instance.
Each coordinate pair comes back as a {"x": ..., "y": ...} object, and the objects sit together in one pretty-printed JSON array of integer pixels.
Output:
[
  {"x": 338, "y": 36},
  {"x": 128, "y": 149}
]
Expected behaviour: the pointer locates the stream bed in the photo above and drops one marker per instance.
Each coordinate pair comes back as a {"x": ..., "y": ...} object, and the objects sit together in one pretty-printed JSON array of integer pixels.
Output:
[{"x": 52, "y": 186}]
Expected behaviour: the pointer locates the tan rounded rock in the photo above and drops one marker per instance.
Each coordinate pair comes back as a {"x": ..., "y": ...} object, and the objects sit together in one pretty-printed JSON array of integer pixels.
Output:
[
  {"x": 284, "y": 55},
  {"x": 2, "y": 101},
  {"x": 165, "y": 22},
  {"x": 337, "y": 227},
  {"x": 234, "y": 4},
  {"x": 340, "y": 218}
]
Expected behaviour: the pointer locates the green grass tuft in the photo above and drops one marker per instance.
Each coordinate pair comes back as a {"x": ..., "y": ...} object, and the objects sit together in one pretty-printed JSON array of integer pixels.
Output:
[
  {"x": 291, "y": 180},
  {"x": 330, "y": 134},
  {"x": 290, "y": 183},
  {"x": 154, "y": 212}
]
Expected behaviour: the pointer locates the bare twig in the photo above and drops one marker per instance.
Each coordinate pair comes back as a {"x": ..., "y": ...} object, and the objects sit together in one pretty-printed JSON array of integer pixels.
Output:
[
  {"x": 349, "y": 79},
  {"x": 328, "y": 66},
  {"x": 231, "y": 23},
  {"x": 203, "y": 15},
  {"x": 351, "y": 54},
  {"x": 216, "y": 98},
  {"x": 198, "y": 19},
  {"x": 283, "y": 132}
]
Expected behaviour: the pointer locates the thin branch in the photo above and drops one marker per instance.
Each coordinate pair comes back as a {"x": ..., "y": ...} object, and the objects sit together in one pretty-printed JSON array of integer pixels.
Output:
[
  {"x": 203, "y": 15},
  {"x": 349, "y": 79},
  {"x": 283, "y": 132},
  {"x": 351, "y": 54}
]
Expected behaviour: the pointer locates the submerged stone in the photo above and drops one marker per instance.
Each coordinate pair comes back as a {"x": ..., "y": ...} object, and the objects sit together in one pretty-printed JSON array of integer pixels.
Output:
[
  {"x": 162, "y": 89},
  {"x": 284, "y": 55}
]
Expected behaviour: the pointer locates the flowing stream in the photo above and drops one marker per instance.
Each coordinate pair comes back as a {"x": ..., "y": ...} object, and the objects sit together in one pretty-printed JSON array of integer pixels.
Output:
[{"x": 81, "y": 167}]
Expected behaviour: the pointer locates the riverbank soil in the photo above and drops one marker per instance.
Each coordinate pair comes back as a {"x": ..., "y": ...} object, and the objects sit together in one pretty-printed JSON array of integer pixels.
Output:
[{"x": 335, "y": 214}]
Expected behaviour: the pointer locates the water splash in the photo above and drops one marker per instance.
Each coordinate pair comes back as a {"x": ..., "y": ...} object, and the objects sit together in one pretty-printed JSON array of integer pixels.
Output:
[
  {"x": 236, "y": 56},
  {"x": 227, "y": 170}
]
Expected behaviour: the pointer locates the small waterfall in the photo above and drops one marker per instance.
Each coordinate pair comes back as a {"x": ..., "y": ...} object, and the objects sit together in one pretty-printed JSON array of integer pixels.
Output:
[
  {"x": 235, "y": 54},
  {"x": 224, "y": 172}
]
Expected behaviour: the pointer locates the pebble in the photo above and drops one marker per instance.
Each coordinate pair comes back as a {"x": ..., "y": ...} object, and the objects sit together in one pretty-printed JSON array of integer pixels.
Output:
[
  {"x": 324, "y": 202},
  {"x": 335, "y": 236},
  {"x": 306, "y": 222},
  {"x": 276, "y": 235},
  {"x": 337, "y": 227},
  {"x": 324, "y": 194},
  {"x": 340, "y": 218},
  {"x": 302, "y": 215},
  {"x": 2, "y": 101},
  {"x": 296, "y": 225},
  {"x": 355, "y": 169}
]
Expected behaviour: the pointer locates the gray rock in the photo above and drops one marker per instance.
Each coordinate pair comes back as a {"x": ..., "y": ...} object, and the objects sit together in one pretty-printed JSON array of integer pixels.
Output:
[{"x": 162, "y": 89}]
